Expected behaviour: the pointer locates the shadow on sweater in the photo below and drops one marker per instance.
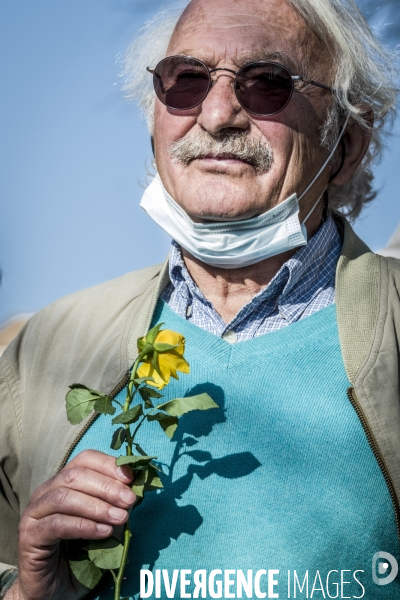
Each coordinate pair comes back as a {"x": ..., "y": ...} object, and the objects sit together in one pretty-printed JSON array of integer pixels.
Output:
[{"x": 160, "y": 519}]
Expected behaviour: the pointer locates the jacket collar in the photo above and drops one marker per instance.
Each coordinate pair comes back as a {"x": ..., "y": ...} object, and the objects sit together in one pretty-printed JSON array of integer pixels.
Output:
[
  {"x": 357, "y": 292},
  {"x": 356, "y": 264}
]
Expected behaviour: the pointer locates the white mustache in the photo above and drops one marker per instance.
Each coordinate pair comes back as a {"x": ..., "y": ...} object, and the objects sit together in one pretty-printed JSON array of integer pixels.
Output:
[{"x": 256, "y": 152}]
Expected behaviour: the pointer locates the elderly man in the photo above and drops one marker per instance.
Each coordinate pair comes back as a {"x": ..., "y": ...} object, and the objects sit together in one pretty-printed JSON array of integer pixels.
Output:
[{"x": 262, "y": 116}]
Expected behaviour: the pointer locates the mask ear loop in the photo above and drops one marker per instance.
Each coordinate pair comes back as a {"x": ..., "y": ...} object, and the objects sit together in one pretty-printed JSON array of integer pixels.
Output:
[
  {"x": 340, "y": 137},
  {"x": 326, "y": 206},
  {"x": 331, "y": 178},
  {"x": 336, "y": 173}
]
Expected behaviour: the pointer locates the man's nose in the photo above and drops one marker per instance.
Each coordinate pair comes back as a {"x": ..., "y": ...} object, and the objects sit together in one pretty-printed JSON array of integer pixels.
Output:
[{"x": 221, "y": 110}]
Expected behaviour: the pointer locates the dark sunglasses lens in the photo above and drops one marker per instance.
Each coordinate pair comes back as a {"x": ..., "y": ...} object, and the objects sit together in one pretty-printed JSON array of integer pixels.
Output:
[
  {"x": 181, "y": 82},
  {"x": 264, "y": 88}
]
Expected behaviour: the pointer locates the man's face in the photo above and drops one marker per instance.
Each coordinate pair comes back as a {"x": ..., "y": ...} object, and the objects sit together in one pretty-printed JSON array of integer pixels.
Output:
[{"x": 230, "y": 33}]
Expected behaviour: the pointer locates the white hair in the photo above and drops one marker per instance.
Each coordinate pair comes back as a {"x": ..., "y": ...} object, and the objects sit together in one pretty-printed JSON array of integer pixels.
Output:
[{"x": 365, "y": 73}]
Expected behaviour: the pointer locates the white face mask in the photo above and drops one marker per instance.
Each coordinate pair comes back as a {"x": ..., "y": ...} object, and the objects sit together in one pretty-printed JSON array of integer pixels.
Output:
[{"x": 230, "y": 245}]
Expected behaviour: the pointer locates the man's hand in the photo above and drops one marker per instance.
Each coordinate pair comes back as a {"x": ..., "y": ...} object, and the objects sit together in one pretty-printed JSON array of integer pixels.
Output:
[{"x": 84, "y": 500}]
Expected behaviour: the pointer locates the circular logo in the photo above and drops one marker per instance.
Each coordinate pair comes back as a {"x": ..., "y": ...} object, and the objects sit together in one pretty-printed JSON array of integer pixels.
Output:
[{"x": 383, "y": 567}]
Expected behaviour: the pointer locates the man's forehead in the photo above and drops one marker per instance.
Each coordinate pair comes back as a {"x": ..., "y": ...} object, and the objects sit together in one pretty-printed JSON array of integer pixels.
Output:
[
  {"x": 248, "y": 12},
  {"x": 241, "y": 56},
  {"x": 243, "y": 30}
]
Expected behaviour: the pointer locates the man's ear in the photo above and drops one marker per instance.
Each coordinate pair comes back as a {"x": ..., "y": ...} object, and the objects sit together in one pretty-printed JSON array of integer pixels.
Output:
[
  {"x": 356, "y": 140},
  {"x": 152, "y": 145}
]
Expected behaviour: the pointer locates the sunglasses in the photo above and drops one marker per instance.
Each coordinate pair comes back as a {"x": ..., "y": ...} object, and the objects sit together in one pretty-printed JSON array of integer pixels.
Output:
[{"x": 262, "y": 88}]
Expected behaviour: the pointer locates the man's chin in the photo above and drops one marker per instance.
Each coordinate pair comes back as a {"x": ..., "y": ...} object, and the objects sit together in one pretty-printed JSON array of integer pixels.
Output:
[
  {"x": 213, "y": 196},
  {"x": 211, "y": 214}
]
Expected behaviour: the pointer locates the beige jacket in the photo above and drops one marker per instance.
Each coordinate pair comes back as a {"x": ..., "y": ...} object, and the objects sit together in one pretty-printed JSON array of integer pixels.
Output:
[{"x": 90, "y": 337}]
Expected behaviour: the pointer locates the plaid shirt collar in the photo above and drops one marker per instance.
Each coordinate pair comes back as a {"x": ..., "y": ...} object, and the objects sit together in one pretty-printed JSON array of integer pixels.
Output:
[{"x": 310, "y": 270}]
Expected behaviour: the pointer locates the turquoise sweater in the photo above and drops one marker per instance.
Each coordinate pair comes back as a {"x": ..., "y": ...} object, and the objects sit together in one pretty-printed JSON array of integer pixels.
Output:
[{"x": 280, "y": 477}]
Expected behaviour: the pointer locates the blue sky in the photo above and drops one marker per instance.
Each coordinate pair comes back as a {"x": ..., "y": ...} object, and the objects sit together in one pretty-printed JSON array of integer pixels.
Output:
[{"x": 74, "y": 153}]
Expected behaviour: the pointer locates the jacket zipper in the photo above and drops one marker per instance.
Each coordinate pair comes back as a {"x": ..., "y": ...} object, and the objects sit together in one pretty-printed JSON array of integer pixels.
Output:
[
  {"x": 377, "y": 453},
  {"x": 354, "y": 402},
  {"x": 120, "y": 386}
]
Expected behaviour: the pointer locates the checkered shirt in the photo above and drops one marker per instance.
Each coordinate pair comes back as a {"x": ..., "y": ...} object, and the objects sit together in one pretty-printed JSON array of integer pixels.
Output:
[{"x": 303, "y": 285}]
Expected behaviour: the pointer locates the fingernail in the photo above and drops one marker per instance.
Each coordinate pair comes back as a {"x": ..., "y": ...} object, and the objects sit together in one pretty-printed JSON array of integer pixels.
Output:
[
  {"x": 117, "y": 514},
  {"x": 124, "y": 472},
  {"x": 127, "y": 496},
  {"x": 103, "y": 528}
]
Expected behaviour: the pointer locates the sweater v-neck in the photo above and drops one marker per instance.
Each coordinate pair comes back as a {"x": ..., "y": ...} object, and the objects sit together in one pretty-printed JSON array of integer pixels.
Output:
[{"x": 212, "y": 349}]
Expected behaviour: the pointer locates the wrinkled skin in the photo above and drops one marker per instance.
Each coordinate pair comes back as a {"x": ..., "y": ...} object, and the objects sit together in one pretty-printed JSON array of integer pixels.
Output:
[
  {"x": 85, "y": 500},
  {"x": 228, "y": 33},
  {"x": 223, "y": 33}
]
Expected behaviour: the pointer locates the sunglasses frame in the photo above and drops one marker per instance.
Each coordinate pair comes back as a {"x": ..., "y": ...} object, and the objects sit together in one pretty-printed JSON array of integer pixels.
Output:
[{"x": 294, "y": 78}]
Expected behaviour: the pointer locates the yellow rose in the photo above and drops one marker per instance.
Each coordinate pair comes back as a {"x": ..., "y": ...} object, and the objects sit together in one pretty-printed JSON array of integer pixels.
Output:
[{"x": 168, "y": 361}]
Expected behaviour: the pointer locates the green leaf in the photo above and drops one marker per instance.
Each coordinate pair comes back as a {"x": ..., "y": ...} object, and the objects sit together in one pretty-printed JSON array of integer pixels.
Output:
[
  {"x": 167, "y": 423},
  {"x": 104, "y": 406},
  {"x": 181, "y": 406},
  {"x": 128, "y": 417},
  {"x": 147, "y": 393},
  {"x": 152, "y": 333},
  {"x": 86, "y": 572},
  {"x": 147, "y": 352},
  {"x": 138, "y": 463},
  {"x": 153, "y": 466},
  {"x": 106, "y": 554},
  {"x": 155, "y": 366},
  {"x": 141, "y": 380},
  {"x": 146, "y": 481},
  {"x": 153, "y": 482},
  {"x": 138, "y": 485},
  {"x": 139, "y": 449},
  {"x": 80, "y": 403},
  {"x": 151, "y": 392},
  {"x": 80, "y": 386},
  {"x": 146, "y": 398},
  {"x": 118, "y": 438},
  {"x": 141, "y": 344},
  {"x": 158, "y": 347}
]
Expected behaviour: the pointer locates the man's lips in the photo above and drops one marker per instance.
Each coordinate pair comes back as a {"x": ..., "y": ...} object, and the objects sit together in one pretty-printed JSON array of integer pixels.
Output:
[{"x": 224, "y": 158}]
